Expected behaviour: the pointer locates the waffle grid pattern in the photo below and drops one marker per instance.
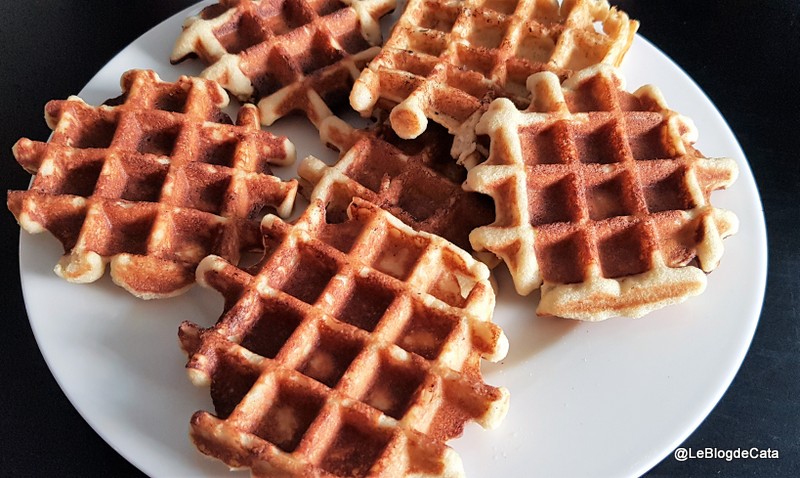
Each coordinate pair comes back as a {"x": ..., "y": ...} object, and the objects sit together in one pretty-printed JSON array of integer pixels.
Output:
[
  {"x": 415, "y": 180},
  {"x": 354, "y": 350},
  {"x": 444, "y": 59},
  {"x": 291, "y": 55},
  {"x": 151, "y": 183},
  {"x": 601, "y": 197}
]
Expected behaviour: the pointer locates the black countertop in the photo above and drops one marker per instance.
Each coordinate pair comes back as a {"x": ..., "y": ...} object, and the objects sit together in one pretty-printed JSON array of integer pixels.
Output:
[{"x": 744, "y": 54}]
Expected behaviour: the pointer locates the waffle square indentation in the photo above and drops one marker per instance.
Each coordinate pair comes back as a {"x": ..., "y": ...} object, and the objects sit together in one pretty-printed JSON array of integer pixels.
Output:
[
  {"x": 546, "y": 13},
  {"x": 487, "y": 32},
  {"x": 542, "y": 143},
  {"x": 126, "y": 229},
  {"x": 351, "y": 41},
  {"x": 310, "y": 275},
  {"x": 648, "y": 142},
  {"x": 354, "y": 449},
  {"x": 339, "y": 234},
  {"x": 468, "y": 82},
  {"x": 441, "y": 19},
  {"x": 506, "y": 7},
  {"x": 393, "y": 387},
  {"x": 144, "y": 178},
  {"x": 204, "y": 189},
  {"x": 587, "y": 51},
  {"x": 426, "y": 331},
  {"x": 610, "y": 198},
  {"x": 599, "y": 145},
  {"x": 246, "y": 32},
  {"x": 231, "y": 381},
  {"x": 219, "y": 153},
  {"x": 298, "y": 13},
  {"x": 366, "y": 305},
  {"x": 79, "y": 179},
  {"x": 185, "y": 243},
  {"x": 158, "y": 140},
  {"x": 426, "y": 42},
  {"x": 326, "y": 7},
  {"x": 536, "y": 47},
  {"x": 172, "y": 99},
  {"x": 290, "y": 413},
  {"x": 374, "y": 174},
  {"x": 272, "y": 323},
  {"x": 554, "y": 202},
  {"x": 397, "y": 255},
  {"x": 669, "y": 193},
  {"x": 472, "y": 59},
  {"x": 330, "y": 357},
  {"x": 421, "y": 203},
  {"x": 562, "y": 255},
  {"x": 624, "y": 250},
  {"x": 94, "y": 132},
  {"x": 447, "y": 285},
  {"x": 319, "y": 53},
  {"x": 419, "y": 66}
]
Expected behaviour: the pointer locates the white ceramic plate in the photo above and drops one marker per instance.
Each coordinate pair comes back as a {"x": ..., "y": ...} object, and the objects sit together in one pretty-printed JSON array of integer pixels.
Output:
[{"x": 606, "y": 399}]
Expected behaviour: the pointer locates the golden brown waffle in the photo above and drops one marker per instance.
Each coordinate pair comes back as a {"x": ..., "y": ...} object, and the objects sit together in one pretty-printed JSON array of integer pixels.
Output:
[
  {"x": 416, "y": 180},
  {"x": 600, "y": 197},
  {"x": 292, "y": 55},
  {"x": 151, "y": 183},
  {"x": 445, "y": 58},
  {"x": 354, "y": 350}
]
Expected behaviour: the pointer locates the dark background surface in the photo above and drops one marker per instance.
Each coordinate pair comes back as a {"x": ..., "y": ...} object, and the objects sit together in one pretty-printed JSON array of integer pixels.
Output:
[{"x": 745, "y": 54}]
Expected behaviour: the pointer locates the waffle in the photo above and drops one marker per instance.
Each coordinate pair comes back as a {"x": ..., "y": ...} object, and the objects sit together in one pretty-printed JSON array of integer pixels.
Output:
[
  {"x": 600, "y": 197},
  {"x": 151, "y": 183},
  {"x": 354, "y": 350},
  {"x": 416, "y": 180},
  {"x": 291, "y": 55},
  {"x": 444, "y": 59}
]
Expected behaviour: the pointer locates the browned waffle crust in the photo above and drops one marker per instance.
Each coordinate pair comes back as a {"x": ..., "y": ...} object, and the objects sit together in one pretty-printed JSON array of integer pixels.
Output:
[
  {"x": 600, "y": 197},
  {"x": 292, "y": 55},
  {"x": 354, "y": 349},
  {"x": 444, "y": 58},
  {"x": 416, "y": 180},
  {"x": 152, "y": 183}
]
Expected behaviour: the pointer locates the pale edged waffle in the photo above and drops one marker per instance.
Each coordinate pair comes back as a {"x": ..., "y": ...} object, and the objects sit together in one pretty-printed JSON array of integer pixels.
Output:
[
  {"x": 601, "y": 197},
  {"x": 352, "y": 349},
  {"x": 416, "y": 180},
  {"x": 151, "y": 183},
  {"x": 289, "y": 55},
  {"x": 444, "y": 59}
]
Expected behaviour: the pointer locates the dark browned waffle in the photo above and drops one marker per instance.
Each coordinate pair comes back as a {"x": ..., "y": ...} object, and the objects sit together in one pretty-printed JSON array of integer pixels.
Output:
[
  {"x": 416, "y": 180},
  {"x": 353, "y": 349},
  {"x": 152, "y": 183}
]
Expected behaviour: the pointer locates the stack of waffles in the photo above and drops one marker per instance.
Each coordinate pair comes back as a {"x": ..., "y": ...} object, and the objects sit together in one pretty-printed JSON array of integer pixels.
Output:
[{"x": 354, "y": 346}]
